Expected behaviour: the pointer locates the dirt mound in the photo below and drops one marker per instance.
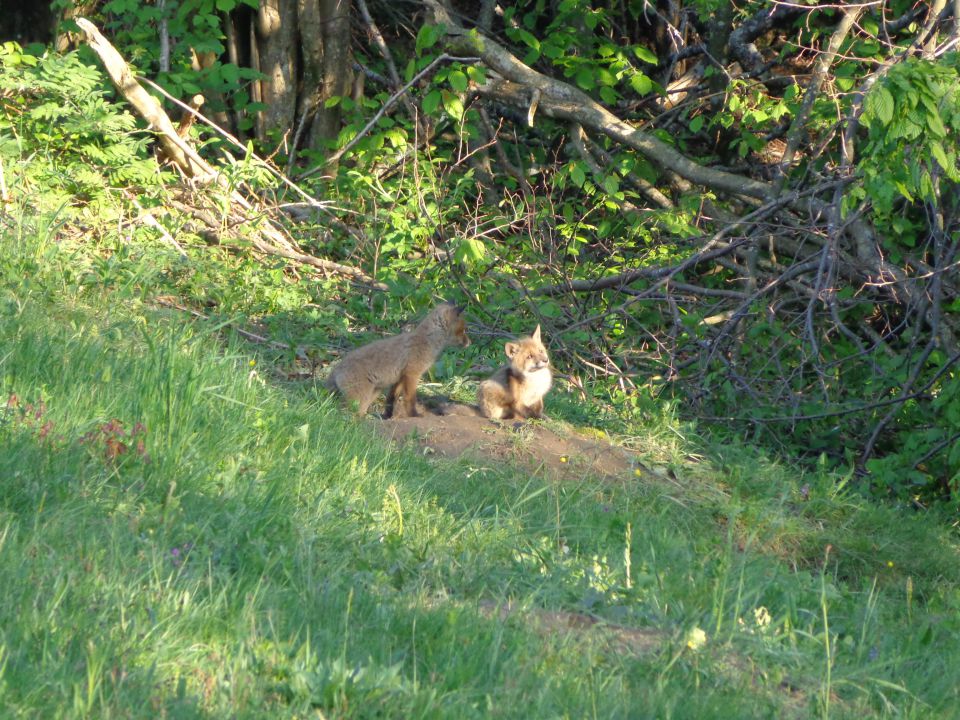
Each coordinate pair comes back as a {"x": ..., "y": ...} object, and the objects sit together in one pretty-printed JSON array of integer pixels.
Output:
[{"x": 461, "y": 431}]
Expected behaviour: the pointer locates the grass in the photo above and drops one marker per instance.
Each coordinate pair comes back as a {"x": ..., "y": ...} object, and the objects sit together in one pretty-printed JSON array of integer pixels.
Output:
[{"x": 184, "y": 534}]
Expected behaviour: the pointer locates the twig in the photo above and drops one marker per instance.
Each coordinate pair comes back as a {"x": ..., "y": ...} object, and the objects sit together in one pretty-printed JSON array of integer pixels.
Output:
[
  {"x": 707, "y": 253},
  {"x": 185, "y": 157},
  {"x": 666, "y": 275},
  {"x": 916, "y": 395},
  {"x": 937, "y": 448},
  {"x": 148, "y": 218},
  {"x": 311, "y": 201},
  {"x": 386, "y": 106},
  {"x": 387, "y": 56},
  {"x": 380, "y": 43},
  {"x": 4, "y": 195},
  {"x": 824, "y": 60},
  {"x": 268, "y": 238},
  {"x": 300, "y": 353}
]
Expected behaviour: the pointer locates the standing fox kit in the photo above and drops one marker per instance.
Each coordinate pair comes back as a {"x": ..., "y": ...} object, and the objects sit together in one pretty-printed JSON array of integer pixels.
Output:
[
  {"x": 517, "y": 390},
  {"x": 397, "y": 363}
]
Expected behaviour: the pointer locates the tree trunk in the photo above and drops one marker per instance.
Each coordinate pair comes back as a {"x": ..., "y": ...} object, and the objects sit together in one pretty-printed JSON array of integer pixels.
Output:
[
  {"x": 325, "y": 38},
  {"x": 276, "y": 33}
]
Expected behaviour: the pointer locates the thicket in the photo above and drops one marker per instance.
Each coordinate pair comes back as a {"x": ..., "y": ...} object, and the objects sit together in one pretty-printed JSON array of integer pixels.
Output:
[{"x": 749, "y": 212}]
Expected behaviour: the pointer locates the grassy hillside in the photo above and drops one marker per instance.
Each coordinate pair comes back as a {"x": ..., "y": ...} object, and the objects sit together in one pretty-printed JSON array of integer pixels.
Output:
[
  {"x": 186, "y": 533},
  {"x": 191, "y": 528}
]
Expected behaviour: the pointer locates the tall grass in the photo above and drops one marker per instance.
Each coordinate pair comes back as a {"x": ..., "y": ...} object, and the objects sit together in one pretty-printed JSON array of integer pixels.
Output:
[{"x": 184, "y": 535}]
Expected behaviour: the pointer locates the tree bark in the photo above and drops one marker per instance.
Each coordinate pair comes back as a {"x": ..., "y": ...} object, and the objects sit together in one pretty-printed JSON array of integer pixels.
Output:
[
  {"x": 337, "y": 70},
  {"x": 276, "y": 34}
]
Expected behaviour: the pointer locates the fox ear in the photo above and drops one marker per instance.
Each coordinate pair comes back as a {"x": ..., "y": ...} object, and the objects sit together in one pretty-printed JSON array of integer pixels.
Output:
[
  {"x": 511, "y": 349},
  {"x": 536, "y": 334},
  {"x": 459, "y": 309}
]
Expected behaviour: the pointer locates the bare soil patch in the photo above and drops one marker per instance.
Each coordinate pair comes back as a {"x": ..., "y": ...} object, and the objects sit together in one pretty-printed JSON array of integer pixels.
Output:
[
  {"x": 461, "y": 432},
  {"x": 622, "y": 639}
]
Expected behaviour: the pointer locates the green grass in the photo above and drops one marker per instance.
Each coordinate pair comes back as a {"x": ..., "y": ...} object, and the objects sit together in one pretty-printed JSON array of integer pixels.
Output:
[{"x": 255, "y": 552}]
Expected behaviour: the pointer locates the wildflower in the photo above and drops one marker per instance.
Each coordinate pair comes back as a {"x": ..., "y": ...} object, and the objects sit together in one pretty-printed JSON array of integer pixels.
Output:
[
  {"x": 252, "y": 363},
  {"x": 178, "y": 554},
  {"x": 696, "y": 639},
  {"x": 762, "y": 617},
  {"x": 563, "y": 458},
  {"x": 889, "y": 563}
]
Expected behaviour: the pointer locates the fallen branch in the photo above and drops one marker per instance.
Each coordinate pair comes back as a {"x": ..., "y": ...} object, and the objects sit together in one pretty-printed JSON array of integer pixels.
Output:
[
  {"x": 269, "y": 238},
  {"x": 563, "y": 101},
  {"x": 174, "y": 147},
  {"x": 708, "y": 252}
]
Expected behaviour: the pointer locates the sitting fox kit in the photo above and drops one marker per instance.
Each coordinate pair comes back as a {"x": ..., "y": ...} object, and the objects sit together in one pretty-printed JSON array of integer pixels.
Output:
[
  {"x": 517, "y": 390},
  {"x": 397, "y": 363}
]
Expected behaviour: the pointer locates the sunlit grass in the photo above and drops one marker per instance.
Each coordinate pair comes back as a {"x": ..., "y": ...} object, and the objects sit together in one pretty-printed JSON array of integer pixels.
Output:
[{"x": 182, "y": 535}]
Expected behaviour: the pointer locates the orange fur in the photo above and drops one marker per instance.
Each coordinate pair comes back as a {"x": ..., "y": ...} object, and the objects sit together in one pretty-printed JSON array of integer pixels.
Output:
[
  {"x": 397, "y": 363},
  {"x": 517, "y": 390}
]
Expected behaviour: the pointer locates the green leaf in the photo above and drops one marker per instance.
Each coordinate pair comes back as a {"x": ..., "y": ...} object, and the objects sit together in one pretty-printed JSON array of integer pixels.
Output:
[
  {"x": 936, "y": 125},
  {"x": 453, "y": 105},
  {"x": 431, "y": 102},
  {"x": 641, "y": 84},
  {"x": 470, "y": 251},
  {"x": 578, "y": 175},
  {"x": 552, "y": 50},
  {"x": 605, "y": 77},
  {"x": 458, "y": 80},
  {"x": 883, "y": 105},
  {"x": 585, "y": 78},
  {"x": 696, "y": 123},
  {"x": 939, "y": 155},
  {"x": 528, "y": 39},
  {"x": 644, "y": 54},
  {"x": 427, "y": 37},
  {"x": 903, "y": 190},
  {"x": 477, "y": 74},
  {"x": 608, "y": 95}
]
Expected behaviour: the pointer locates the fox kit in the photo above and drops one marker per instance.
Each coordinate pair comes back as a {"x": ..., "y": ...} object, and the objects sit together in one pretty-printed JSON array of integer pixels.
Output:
[
  {"x": 517, "y": 390},
  {"x": 396, "y": 363}
]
